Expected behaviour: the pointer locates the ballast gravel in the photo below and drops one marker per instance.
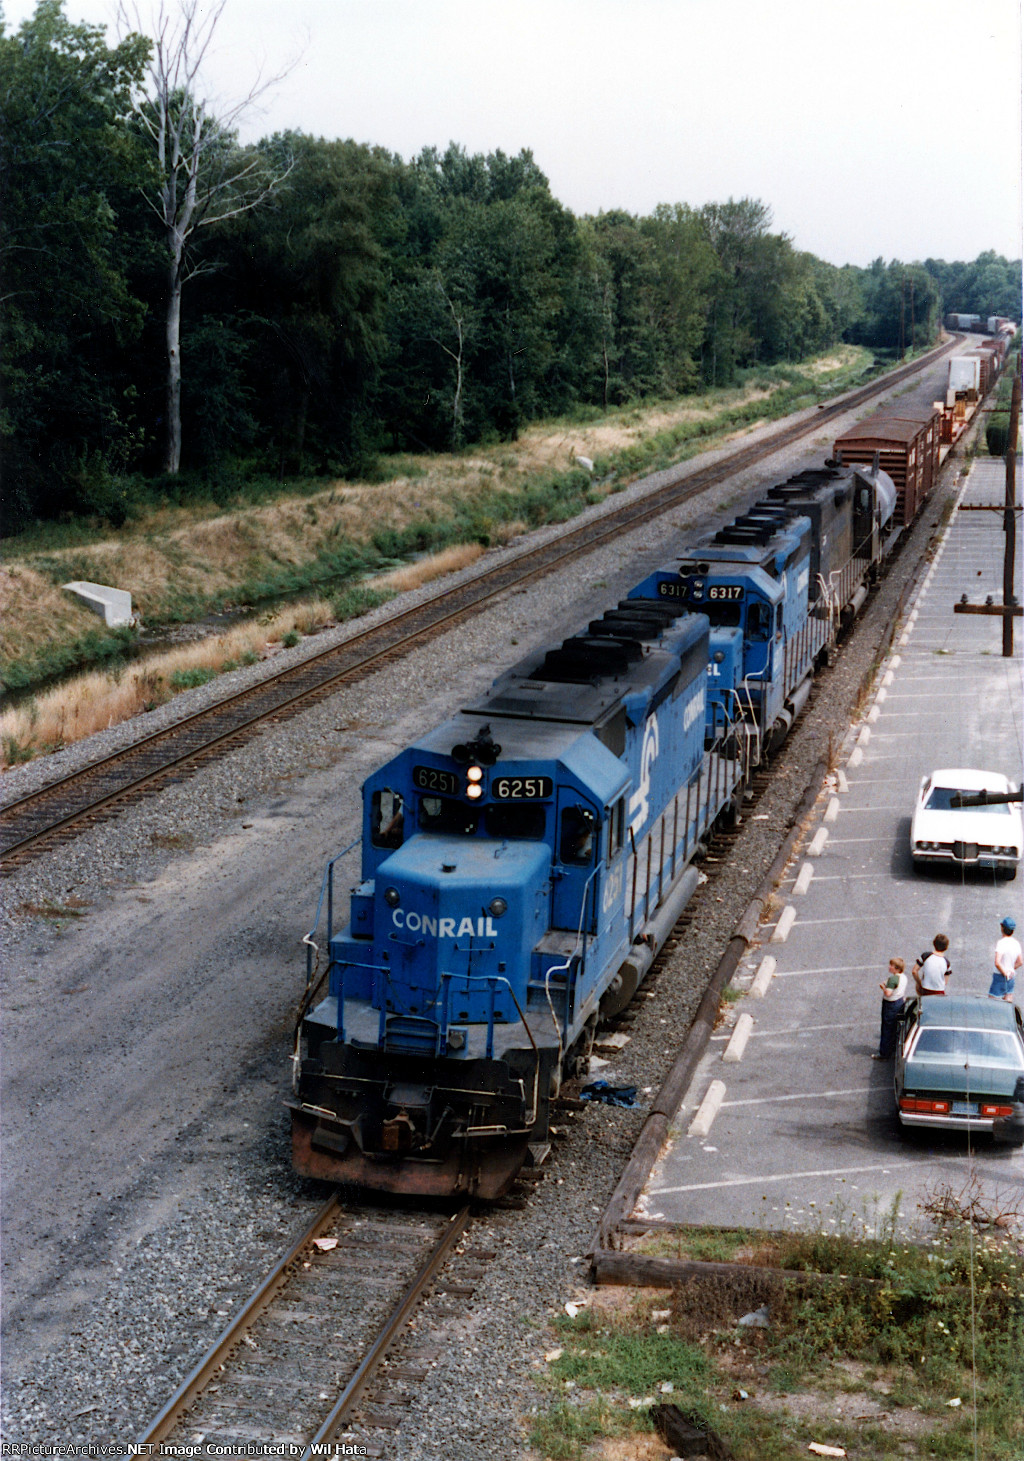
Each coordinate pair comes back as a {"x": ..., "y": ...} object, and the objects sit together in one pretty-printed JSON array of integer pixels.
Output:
[{"x": 144, "y": 1200}]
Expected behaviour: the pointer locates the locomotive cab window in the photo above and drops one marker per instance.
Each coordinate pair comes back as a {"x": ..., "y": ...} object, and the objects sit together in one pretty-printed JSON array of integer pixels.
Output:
[
  {"x": 441, "y": 814},
  {"x": 616, "y": 828},
  {"x": 386, "y": 818},
  {"x": 759, "y": 621},
  {"x": 576, "y": 836},
  {"x": 523, "y": 820}
]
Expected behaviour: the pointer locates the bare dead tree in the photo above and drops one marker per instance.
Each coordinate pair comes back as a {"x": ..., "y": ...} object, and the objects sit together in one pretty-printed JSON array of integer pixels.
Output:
[
  {"x": 456, "y": 357},
  {"x": 203, "y": 178}
]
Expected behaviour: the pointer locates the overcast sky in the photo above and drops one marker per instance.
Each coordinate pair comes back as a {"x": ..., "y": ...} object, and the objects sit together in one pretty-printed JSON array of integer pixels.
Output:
[{"x": 870, "y": 127}]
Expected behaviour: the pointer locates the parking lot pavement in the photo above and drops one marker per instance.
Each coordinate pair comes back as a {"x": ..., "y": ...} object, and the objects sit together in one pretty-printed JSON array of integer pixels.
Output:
[{"x": 804, "y": 1131}]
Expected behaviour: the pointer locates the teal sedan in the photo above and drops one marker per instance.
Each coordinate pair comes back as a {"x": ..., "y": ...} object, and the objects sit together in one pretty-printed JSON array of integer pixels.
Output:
[{"x": 960, "y": 1065}]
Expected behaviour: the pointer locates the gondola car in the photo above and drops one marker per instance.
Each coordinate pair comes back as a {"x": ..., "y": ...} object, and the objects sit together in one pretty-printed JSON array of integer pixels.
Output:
[{"x": 521, "y": 865}]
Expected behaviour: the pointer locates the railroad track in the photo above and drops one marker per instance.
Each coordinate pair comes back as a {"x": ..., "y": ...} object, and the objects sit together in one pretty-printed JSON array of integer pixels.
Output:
[
  {"x": 300, "y": 1359},
  {"x": 34, "y": 823}
]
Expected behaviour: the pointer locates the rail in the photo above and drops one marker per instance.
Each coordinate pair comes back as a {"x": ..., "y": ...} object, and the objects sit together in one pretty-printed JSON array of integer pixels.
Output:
[
  {"x": 33, "y": 822},
  {"x": 219, "y": 1355}
]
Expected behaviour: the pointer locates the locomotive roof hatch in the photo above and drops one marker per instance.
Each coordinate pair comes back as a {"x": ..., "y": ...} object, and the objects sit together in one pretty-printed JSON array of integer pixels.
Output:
[{"x": 762, "y": 537}]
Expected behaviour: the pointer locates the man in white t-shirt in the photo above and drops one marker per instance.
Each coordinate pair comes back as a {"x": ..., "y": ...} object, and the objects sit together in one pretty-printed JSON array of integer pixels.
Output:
[
  {"x": 932, "y": 970},
  {"x": 1008, "y": 958}
]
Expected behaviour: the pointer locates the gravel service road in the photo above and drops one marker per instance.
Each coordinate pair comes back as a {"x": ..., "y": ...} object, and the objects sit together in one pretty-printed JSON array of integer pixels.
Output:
[{"x": 147, "y": 1022}]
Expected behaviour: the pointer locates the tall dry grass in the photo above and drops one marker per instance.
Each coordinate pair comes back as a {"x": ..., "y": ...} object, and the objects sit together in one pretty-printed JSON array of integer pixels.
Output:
[
  {"x": 93, "y": 702},
  {"x": 181, "y": 557}
]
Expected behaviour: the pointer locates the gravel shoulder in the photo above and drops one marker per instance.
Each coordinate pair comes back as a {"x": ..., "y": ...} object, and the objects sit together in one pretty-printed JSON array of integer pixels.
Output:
[{"x": 147, "y": 1027}]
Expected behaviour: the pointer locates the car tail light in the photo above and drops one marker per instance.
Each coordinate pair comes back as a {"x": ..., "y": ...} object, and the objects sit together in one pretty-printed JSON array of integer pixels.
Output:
[
  {"x": 997, "y": 1110},
  {"x": 916, "y": 1105}
]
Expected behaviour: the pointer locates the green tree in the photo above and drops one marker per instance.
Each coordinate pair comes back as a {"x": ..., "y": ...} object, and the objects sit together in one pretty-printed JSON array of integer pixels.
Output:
[
  {"x": 308, "y": 275},
  {"x": 901, "y": 305},
  {"x": 69, "y": 168},
  {"x": 481, "y": 305}
]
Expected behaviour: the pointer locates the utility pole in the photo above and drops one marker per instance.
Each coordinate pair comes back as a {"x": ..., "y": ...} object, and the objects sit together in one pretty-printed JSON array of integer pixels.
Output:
[
  {"x": 913, "y": 331},
  {"x": 1010, "y": 513},
  {"x": 1009, "y": 609}
]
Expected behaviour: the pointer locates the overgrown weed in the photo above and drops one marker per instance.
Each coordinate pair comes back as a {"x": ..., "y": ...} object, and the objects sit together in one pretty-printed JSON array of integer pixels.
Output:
[{"x": 901, "y": 1331}]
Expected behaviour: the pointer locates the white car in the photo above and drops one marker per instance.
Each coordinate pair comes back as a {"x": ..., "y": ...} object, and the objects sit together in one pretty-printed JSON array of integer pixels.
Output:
[{"x": 986, "y": 836}]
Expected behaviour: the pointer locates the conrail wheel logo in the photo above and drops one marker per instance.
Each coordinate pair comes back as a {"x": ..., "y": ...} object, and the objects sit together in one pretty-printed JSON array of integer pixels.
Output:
[{"x": 640, "y": 801}]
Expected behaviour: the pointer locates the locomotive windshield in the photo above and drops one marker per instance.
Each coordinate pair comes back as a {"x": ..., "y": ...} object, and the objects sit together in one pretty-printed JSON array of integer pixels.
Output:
[
  {"x": 722, "y": 616},
  {"x": 516, "y": 820},
  {"x": 441, "y": 814}
]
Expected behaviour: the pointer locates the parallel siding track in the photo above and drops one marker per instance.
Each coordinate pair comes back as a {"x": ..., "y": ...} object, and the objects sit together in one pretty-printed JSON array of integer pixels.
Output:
[
  {"x": 33, "y": 823},
  {"x": 295, "y": 1364}
]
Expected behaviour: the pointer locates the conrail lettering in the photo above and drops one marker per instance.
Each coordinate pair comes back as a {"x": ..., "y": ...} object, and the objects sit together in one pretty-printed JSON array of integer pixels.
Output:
[
  {"x": 694, "y": 710},
  {"x": 413, "y": 922}
]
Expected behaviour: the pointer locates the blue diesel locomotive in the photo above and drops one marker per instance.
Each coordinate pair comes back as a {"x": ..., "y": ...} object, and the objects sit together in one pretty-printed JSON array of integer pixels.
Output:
[{"x": 523, "y": 863}]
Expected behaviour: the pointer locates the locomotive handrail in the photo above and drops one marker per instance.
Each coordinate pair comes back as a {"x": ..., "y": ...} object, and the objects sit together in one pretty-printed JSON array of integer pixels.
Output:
[
  {"x": 492, "y": 980},
  {"x": 311, "y": 989},
  {"x": 326, "y": 888}
]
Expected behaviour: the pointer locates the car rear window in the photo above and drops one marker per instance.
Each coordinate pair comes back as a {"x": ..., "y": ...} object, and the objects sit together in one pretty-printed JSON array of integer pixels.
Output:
[
  {"x": 940, "y": 796},
  {"x": 976, "y": 1047}
]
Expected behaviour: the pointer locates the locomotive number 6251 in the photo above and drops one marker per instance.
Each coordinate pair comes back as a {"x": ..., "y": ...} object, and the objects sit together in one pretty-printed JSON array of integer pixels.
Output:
[
  {"x": 431, "y": 778},
  {"x": 521, "y": 788}
]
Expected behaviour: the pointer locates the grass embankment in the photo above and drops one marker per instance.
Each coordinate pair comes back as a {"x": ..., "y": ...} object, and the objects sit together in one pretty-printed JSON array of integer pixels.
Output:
[
  {"x": 332, "y": 546},
  {"x": 923, "y": 1360}
]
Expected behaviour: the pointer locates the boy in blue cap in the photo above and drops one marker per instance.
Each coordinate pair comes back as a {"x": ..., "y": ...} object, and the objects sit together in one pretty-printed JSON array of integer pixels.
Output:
[{"x": 1008, "y": 958}]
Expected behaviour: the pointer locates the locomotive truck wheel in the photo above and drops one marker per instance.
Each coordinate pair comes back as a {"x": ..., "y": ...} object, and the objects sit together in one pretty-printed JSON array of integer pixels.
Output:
[{"x": 620, "y": 990}]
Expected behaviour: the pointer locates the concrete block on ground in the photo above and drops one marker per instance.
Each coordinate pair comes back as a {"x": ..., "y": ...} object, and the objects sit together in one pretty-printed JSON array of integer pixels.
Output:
[
  {"x": 763, "y": 977},
  {"x": 787, "y": 918},
  {"x": 114, "y": 605},
  {"x": 707, "y": 1110},
  {"x": 738, "y": 1042}
]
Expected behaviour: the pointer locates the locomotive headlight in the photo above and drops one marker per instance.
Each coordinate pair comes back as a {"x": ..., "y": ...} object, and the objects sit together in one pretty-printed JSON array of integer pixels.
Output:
[
  {"x": 474, "y": 791},
  {"x": 497, "y": 906},
  {"x": 474, "y": 774},
  {"x": 718, "y": 656},
  {"x": 392, "y": 897}
]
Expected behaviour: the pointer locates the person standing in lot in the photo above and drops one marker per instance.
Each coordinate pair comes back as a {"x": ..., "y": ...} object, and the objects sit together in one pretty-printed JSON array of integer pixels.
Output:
[
  {"x": 1008, "y": 958},
  {"x": 932, "y": 970},
  {"x": 893, "y": 989}
]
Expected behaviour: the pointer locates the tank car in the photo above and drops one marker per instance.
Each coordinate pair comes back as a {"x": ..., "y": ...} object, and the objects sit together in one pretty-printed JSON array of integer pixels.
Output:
[{"x": 521, "y": 865}]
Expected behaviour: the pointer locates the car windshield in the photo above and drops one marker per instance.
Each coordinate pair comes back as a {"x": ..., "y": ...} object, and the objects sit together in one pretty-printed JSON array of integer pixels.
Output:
[
  {"x": 974, "y": 1047},
  {"x": 939, "y": 799}
]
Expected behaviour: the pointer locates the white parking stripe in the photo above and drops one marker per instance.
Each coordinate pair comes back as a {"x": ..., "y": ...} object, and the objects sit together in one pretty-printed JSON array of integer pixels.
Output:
[
  {"x": 778, "y": 1177},
  {"x": 825, "y": 969},
  {"x": 786, "y": 1030},
  {"x": 799, "y": 1096}
]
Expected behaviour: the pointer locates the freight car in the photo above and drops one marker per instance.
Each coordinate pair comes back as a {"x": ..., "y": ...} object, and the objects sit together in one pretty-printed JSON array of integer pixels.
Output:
[
  {"x": 907, "y": 449},
  {"x": 523, "y": 862}
]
